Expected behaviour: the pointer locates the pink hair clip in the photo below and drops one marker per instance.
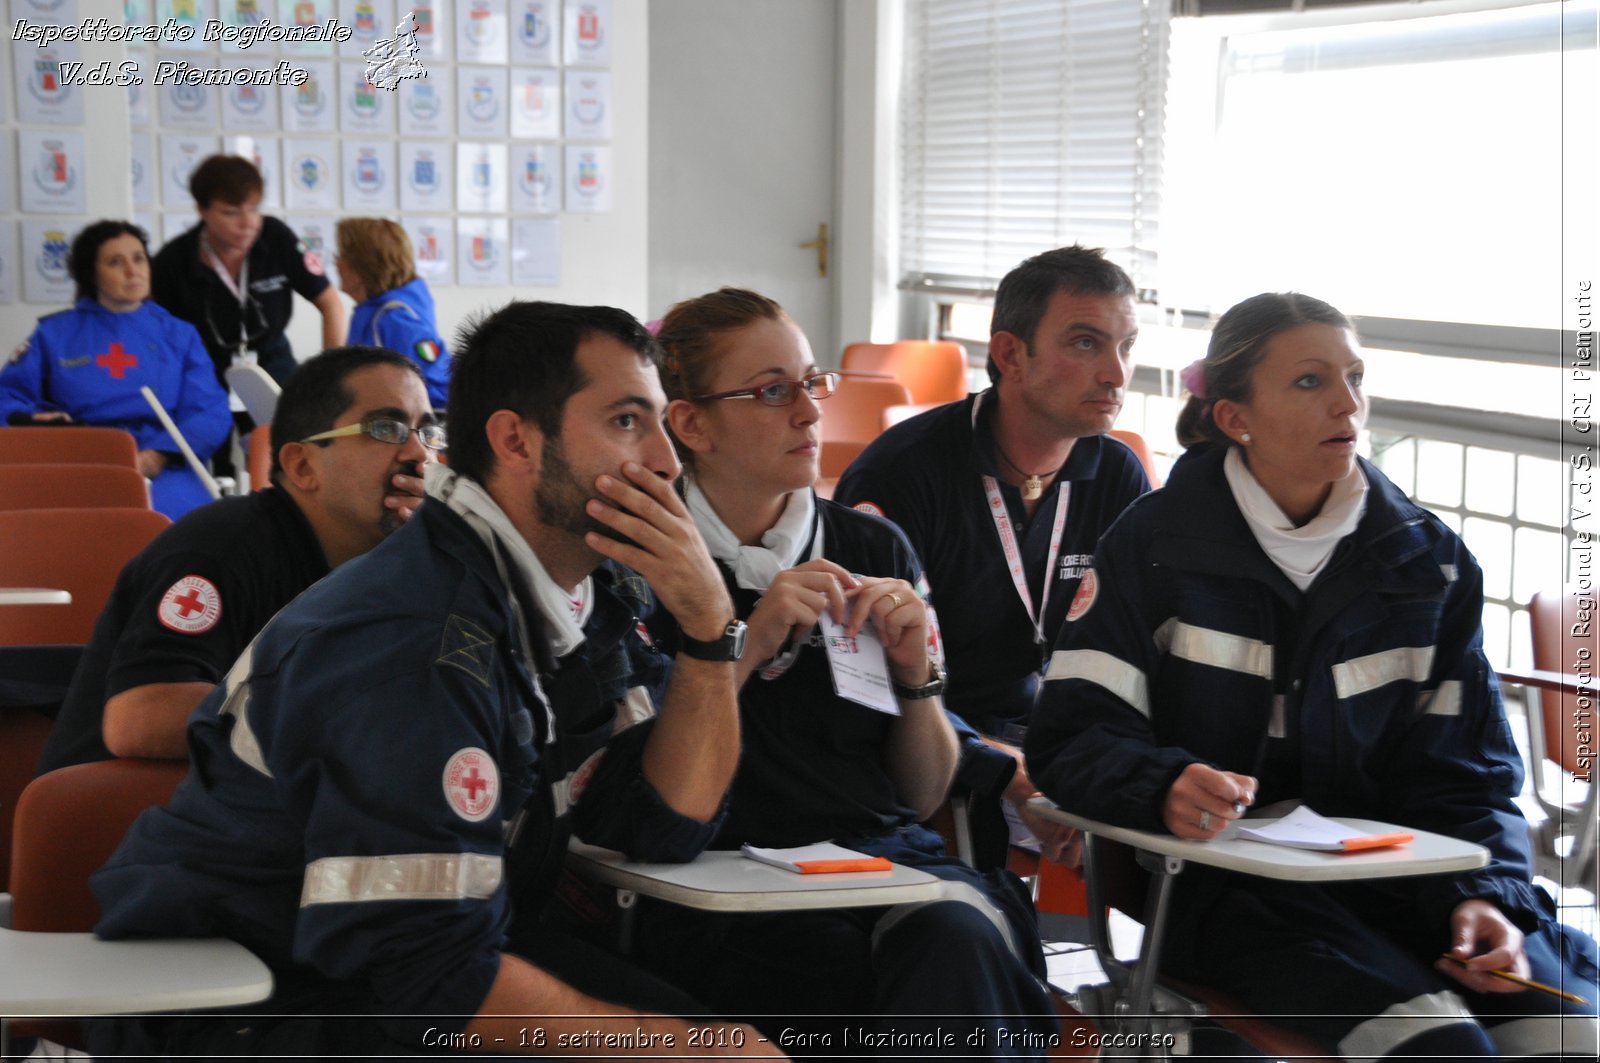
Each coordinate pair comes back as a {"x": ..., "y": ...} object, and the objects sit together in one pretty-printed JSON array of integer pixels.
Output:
[{"x": 1193, "y": 378}]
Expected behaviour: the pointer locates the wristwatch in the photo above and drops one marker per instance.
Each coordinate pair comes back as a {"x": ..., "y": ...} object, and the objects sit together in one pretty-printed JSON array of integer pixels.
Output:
[
  {"x": 931, "y": 689},
  {"x": 730, "y": 647}
]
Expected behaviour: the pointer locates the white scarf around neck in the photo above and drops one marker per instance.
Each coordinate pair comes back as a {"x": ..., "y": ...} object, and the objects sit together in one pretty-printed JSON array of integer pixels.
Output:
[
  {"x": 468, "y": 500},
  {"x": 1300, "y": 553},
  {"x": 783, "y": 546}
]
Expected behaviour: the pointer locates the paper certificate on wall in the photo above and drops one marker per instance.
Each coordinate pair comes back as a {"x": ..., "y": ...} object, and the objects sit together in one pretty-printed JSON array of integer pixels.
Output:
[
  {"x": 481, "y": 178},
  {"x": 483, "y": 256},
  {"x": 536, "y": 104},
  {"x": 8, "y": 262},
  {"x": 43, "y": 261},
  {"x": 425, "y": 106},
  {"x": 263, "y": 151},
  {"x": 180, "y": 154},
  {"x": 370, "y": 21},
  {"x": 431, "y": 21},
  {"x": 536, "y": 252},
  {"x": 139, "y": 105},
  {"x": 306, "y": 14},
  {"x": 588, "y": 179},
  {"x": 311, "y": 106},
  {"x": 587, "y": 36},
  {"x": 173, "y": 225},
  {"x": 426, "y": 176},
  {"x": 44, "y": 97},
  {"x": 141, "y": 169},
  {"x": 52, "y": 172},
  {"x": 185, "y": 106},
  {"x": 536, "y": 179},
  {"x": 246, "y": 14},
  {"x": 535, "y": 32},
  {"x": 859, "y": 666},
  {"x": 363, "y": 106},
  {"x": 46, "y": 12},
  {"x": 368, "y": 175},
  {"x": 481, "y": 31},
  {"x": 8, "y": 169},
  {"x": 481, "y": 101},
  {"x": 433, "y": 240},
  {"x": 250, "y": 106},
  {"x": 190, "y": 15},
  {"x": 588, "y": 104},
  {"x": 311, "y": 174}
]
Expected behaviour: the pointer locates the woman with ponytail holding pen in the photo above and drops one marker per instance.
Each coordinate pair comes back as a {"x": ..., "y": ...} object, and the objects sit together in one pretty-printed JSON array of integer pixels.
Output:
[{"x": 1280, "y": 623}]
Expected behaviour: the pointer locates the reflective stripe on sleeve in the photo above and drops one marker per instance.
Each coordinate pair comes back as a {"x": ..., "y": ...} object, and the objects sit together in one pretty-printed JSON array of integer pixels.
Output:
[
  {"x": 1446, "y": 701},
  {"x": 402, "y": 877},
  {"x": 1450, "y": 573},
  {"x": 242, "y": 740},
  {"x": 1383, "y": 1033},
  {"x": 1375, "y": 670},
  {"x": 1102, "y": 669},
  {"x": 1219, "y": 649},
  {"x": 1546, "y": 1035}
]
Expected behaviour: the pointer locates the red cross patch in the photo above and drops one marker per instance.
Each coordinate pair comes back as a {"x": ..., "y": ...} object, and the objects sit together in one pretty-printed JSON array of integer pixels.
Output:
[
  {"x": 1088, "y": 591},
  {"x": 191, "y": 606},
  {"x": 472, "y": 784},
  {"x": 870, "y": 507}
]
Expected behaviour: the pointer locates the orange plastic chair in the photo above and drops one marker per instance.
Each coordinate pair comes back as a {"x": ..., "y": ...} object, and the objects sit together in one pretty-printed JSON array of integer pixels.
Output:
[
  {"x": 1142, "y": 451},
  {"x": 68, "y": 823},
  {"x": 22, "y": 736},
  {"x": 934, "y": 371},
  {"x": 852, "y": 417},
  {"x": 259, "y": 460},
  {"x": 76, "y": 550},
  {"x": 72, "y": 487},
  {"x": 68, "y": 445}
]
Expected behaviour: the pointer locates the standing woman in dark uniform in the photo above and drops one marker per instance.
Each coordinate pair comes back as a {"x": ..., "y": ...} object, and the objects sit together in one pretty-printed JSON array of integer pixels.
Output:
[
  {"x": 744, "y": 408},
  {"x": 231, "y": 276}
]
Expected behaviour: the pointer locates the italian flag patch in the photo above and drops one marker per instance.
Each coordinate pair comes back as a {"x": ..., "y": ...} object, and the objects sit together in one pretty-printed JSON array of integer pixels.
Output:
[{"x": 428, "y": 351}]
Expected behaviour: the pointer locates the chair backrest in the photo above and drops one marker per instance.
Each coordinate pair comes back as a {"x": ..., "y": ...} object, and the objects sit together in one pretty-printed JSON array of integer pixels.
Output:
[
  {"x": 72, "y": 487},
  {"x": 934, "y": 371},
  {"x": 68, "y": 822},
  {"x": 76, "y": 550},
  {"x": 259, "y": 460},
  {"x": 256, "y": 389},
  {"x": 852, "y": 417},
  {"x": 23, "y": 732},
  {"x": 66, "y": 445},
  {"x": 1142, "y": 451},
  {"x": 1562, "y": 641}
]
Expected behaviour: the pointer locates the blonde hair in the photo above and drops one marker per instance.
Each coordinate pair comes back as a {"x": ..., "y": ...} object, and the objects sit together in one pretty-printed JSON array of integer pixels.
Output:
[{"x": 378, "y": 250}]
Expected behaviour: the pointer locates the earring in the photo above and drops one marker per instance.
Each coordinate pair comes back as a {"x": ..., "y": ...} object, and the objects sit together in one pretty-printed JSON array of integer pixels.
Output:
[{"x": 1244, "y": 437}]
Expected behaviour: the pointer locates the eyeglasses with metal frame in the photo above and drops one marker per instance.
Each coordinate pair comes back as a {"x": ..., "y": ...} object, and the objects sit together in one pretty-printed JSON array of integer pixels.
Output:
[
  {"x": 782, "y": 392},
  {"x": 387, "y": 430}
]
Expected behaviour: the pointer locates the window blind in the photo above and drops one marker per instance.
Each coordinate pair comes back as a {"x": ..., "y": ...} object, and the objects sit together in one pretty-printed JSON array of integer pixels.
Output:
[{"x": 1027, "y": 125}]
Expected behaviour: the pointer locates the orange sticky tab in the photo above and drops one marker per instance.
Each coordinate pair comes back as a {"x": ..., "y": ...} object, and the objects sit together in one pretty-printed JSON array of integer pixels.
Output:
[
  {"x": 1377, "y": 841},
  {"x": 828, "y": 867}
]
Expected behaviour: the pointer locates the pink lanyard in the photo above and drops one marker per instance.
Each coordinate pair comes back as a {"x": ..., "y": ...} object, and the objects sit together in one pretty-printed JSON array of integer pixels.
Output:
[{"x": 1013, "y": 552}]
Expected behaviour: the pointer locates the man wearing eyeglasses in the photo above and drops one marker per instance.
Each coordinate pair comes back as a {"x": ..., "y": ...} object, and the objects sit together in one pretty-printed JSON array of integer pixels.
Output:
[
  {"x": 352, "y": 433},
  {"x": 385, "y": 785}
]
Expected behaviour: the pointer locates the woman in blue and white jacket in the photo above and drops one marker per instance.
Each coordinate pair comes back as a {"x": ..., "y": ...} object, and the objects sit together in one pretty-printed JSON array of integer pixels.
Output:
[
  {"x": 1280, "y": 622},
  {"x": 394, "y": 308}
]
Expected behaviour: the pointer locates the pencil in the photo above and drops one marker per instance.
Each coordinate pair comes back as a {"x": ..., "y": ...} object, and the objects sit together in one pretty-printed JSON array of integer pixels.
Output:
[{"x": 1519, "y": 980}]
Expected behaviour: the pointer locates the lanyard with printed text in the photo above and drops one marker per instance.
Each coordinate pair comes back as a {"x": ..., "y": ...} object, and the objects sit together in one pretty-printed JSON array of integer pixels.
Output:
[
  {"x": 1013, "y": 551},
  {"x": 240, "y": 290}
]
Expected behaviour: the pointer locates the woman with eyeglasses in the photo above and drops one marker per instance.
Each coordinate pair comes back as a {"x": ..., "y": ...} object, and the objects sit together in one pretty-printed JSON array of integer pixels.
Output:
[
  {"x": 86, "y": 366},
  {"x": 234, "y": 275},
  {"x": 394, "y": 308},
  {"x": 745, "y": 401}
]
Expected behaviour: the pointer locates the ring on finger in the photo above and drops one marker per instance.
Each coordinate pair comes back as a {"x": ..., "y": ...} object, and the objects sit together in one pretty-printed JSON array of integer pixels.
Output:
[
  {"x": 894, "y": 600},
  {"x": 1205, "y": 820}
]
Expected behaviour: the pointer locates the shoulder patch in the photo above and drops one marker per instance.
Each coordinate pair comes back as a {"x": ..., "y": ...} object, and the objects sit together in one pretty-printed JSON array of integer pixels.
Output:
[
  {"x": 471, "y": 784},
  {"x": 871, "y": 507},
  {"x": 313, "y": 263},
  {"x": 466, "y": 646},
  {"x": 191, "y": 606},
  {"x": 427, "y": 351},
  {"x": 1083, "y": 601}
]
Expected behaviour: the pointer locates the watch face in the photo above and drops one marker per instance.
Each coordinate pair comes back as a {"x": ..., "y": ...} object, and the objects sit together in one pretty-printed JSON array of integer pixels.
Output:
[{"x": 737, "y": 631}]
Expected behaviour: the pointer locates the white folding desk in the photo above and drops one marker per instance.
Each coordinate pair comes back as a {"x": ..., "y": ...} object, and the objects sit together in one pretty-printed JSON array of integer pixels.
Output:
[
  {"x": 34, "y": 596},
  {"x": 1134, "y": 998},
  {"x": 52, "y": 975},
  {"x": 726, "y": 881}
]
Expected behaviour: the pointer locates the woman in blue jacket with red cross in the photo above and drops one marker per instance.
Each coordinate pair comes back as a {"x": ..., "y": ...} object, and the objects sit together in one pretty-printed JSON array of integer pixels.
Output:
[{"x": 86, "y": 366}]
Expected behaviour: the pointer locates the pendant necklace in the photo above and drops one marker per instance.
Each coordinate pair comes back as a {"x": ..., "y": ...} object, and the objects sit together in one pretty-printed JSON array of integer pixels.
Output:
[{"x": 1032, "y": 483}]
